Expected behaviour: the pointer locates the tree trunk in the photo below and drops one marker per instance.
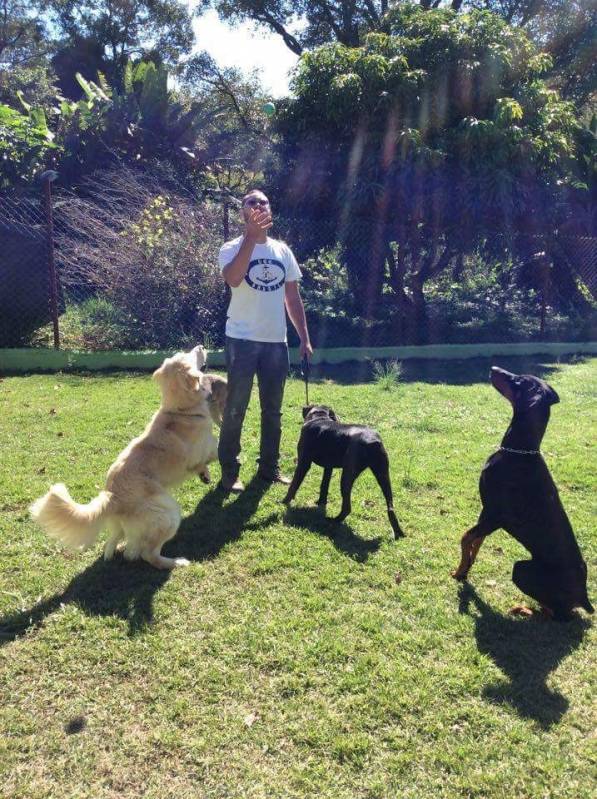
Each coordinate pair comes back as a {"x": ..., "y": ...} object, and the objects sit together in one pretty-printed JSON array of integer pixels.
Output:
[
  {"x": 397, "y": 269},
  {"x": 421, "y": 319},
  {"x": 364, "y": 255}
]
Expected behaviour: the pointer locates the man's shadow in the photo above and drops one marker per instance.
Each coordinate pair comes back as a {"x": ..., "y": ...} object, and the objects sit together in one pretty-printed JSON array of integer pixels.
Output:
[
  {"x": 526, "y": 651},
  {"x": 217, "y": 520},
  {"x": 126, "y": 589}
]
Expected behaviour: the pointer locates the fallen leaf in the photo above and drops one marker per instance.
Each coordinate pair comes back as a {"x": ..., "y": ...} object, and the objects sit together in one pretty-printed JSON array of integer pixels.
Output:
[
  {"x": 250, "y": 719},
  {"x": 397, "y": 578},
  {"x": 42, "y": 470},
  {"x": 52, "y": 411}
]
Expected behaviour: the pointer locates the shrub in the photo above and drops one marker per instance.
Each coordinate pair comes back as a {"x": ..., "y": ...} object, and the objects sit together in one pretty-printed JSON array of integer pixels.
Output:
[
  {"x": 94, "y": 324},
  {"x": 150, "y": 253},
  {"x": 387, "y": 374}
]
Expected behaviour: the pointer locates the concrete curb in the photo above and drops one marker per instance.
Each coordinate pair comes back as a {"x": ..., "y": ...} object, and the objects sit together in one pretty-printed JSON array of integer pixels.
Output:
[{"x": 48, "y": 360}]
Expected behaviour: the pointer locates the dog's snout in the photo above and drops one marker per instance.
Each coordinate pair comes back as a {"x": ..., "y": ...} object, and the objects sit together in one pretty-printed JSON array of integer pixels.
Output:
[{"x": 497, "y": 371}]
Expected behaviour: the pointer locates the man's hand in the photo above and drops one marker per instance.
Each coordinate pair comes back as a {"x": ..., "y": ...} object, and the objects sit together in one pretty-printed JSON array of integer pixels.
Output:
[
  {"x": 306, "y": 350},
  {"x": 258, "y": 223}
]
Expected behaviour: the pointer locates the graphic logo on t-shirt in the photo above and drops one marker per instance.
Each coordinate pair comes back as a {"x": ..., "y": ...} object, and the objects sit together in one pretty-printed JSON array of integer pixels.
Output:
[{"x": 266, "y": 274}]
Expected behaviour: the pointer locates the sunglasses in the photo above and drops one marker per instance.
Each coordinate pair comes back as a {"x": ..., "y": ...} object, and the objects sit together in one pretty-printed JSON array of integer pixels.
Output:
[{"x": 254, "y": 203}]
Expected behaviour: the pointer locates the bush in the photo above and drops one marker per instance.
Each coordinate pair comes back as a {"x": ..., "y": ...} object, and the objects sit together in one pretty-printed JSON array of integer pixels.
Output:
[
  {"x": 149, "y": 257},
  {"x": 94, "y": 324},
  {"x": 481, "y": 301}
]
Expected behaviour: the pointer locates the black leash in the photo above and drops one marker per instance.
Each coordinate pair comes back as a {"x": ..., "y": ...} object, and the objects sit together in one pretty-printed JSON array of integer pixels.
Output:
[{"x": 305, "y": 368}]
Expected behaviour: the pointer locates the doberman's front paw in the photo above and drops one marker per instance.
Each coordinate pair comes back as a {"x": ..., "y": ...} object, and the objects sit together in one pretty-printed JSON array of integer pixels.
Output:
[
  {"x": 521, "y": 610},
  {"x": 460, "y": 575}
]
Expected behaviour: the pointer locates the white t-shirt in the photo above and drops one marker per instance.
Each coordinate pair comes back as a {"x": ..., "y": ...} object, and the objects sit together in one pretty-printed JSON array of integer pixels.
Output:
[{"x": 256, "y": 311}]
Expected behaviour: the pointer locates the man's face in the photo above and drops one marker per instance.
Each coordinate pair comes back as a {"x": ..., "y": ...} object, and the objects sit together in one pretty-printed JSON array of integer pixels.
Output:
[{"x": 255, "y": 203}]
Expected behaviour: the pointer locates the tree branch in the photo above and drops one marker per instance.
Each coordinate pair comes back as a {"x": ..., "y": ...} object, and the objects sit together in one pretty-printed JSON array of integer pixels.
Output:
[{"x": 289, "y": 40}]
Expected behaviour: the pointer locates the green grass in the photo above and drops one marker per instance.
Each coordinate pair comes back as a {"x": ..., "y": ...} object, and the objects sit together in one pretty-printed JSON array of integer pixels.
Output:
[{"x": 293, "y": 659}]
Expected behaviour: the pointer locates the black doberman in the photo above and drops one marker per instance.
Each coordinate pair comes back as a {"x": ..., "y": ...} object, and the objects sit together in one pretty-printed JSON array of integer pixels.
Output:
[
  {"x": 324, "y": 440},
  {"x": 519, "y": 495}
]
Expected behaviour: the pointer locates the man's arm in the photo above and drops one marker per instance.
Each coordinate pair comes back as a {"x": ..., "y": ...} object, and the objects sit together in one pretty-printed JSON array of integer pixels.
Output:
[
  {"x": 258, "y": 224},
  {"x": 296, "y": 312}
]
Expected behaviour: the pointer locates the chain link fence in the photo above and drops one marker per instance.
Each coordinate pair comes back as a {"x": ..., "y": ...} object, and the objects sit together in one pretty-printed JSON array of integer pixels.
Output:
[{"x": 130, "y": 262}]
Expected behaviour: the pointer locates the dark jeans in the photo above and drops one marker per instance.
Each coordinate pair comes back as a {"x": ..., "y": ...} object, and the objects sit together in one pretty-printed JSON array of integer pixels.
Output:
[{"x": 244, "y": 360}]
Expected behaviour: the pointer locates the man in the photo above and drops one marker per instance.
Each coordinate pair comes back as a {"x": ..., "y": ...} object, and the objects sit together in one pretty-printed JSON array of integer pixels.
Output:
[{"x": 262, "y": 274}]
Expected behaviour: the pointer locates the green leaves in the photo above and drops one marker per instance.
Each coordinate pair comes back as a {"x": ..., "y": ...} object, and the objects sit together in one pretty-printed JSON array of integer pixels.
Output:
[
  {"x": 507, "y": 110},
  {"x": 24, "y": 140}
]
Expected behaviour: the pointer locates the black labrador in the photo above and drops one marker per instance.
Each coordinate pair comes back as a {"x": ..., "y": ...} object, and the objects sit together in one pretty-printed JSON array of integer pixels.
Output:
[
  {"x": 519, "y": 495},
  {"x": 324, "y": 440}
]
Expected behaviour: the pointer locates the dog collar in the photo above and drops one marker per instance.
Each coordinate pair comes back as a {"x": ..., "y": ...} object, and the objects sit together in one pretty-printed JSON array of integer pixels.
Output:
[
  {"x": 182, "y": 413},
  {"x": 521, "y": 451}
]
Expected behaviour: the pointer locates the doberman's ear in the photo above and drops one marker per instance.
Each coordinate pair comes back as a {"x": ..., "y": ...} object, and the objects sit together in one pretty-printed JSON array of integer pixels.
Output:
[
  {"x": 333, "y": 416},
  {"x": 306, "y": 409},
  {"x": 543, "y": 394},
  {"x": 552, "y": 396}
]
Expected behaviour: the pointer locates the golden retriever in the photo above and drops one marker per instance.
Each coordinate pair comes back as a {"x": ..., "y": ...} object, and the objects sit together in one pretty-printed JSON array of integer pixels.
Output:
[
  {"x": 136, "y": 506},
  {"x": 218, "y": 393}
]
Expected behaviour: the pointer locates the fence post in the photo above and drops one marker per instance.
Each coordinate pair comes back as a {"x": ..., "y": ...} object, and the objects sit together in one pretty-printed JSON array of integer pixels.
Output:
[
  {"x": 544, "y": 264},
  {"x": 226, "y": 220},
  {"x": 47, "y": 179}
]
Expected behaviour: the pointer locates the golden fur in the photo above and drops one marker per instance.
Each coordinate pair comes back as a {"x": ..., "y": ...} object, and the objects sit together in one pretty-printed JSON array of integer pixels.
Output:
[
  {"x": 136, "y": 506},
  {"x": 218, "y": 392}
]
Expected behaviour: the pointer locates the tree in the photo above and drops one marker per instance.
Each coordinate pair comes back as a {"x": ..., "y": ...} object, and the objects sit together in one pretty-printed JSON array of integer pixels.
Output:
[
  {"x": 563, "y": 28},
  {"x": 322, "y": 21},
  {"x": 343, "y": 21},
  {"x": 143, "y": 122},
  {"x": 24, "y": 54},
  {"x": 115, "y": 31},
  {"x": 435, "y": 139},
  {"x": 236, "y": 145},
  {"x": 21, "y": 34}
]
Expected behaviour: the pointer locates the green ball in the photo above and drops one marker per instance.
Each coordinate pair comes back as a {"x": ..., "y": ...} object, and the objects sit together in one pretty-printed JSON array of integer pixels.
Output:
[{"x": 269, "y": 109}]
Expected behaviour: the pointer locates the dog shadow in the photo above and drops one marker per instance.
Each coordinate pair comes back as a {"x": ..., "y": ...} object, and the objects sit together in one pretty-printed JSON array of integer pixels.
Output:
[
  {"x": 526, "y": 651},
  {"x": 339, "y": 533},
  {"x": 126, "y": 590},
  {"x": 105, "y": 588}
]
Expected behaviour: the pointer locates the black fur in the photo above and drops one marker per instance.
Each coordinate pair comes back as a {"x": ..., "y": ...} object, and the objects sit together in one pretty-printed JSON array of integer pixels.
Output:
[
  {"x": 519, "y": 495},
  {"x": 324, "y": 440}
]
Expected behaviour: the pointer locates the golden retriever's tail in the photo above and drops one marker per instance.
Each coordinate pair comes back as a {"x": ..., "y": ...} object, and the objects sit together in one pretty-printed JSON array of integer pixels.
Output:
[{"x": 76, "y": 526}]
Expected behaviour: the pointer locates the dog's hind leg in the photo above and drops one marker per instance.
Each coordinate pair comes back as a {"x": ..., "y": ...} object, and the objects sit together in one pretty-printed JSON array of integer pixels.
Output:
[
  {"x": 352, "y": 468},
  {"x": 381, "y": 469},
  {"x": 165, "y": 520},
  {"x": 542, "y": 585},
  {"x": 325, "y": 486},
  {"x": 470, "y": 544},
  {"x": 161, "y": 562},
  {"x": 116, "y": 536}
]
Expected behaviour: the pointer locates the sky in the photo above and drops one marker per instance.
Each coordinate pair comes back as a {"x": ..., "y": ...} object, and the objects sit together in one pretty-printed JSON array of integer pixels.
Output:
[{"x": 247, "y": 49}]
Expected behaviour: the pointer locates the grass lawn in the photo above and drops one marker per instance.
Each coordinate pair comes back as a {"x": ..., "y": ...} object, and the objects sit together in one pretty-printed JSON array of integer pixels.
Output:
[{"x": 293, "y": 658}]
